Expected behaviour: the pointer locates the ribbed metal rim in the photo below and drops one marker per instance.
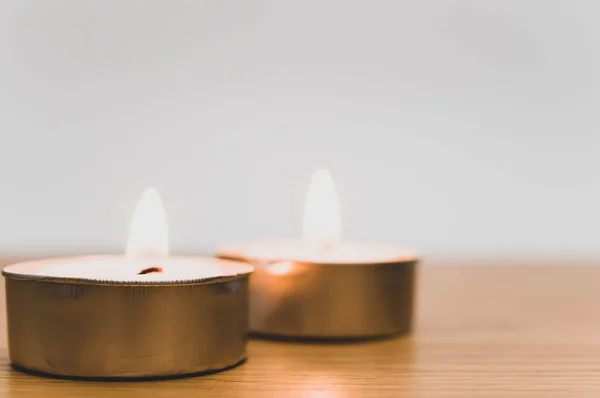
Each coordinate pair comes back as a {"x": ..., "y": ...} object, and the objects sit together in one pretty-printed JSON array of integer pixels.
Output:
[
  {"x": 106, "y": 282},
  {"x": 246, "y": 269}
]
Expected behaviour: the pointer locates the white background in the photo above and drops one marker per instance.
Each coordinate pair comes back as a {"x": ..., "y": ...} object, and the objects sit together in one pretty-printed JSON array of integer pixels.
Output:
[{"x": 454, "y": 127}]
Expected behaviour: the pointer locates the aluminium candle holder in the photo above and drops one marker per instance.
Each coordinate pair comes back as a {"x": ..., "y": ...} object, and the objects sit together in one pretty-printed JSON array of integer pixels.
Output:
[
  {"x": 328, "y": 301},
  {"x": 83, "y": 328}
]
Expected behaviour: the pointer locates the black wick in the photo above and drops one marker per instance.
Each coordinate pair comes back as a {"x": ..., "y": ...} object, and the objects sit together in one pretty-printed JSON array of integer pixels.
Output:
[{"x": 150, "y": 270}]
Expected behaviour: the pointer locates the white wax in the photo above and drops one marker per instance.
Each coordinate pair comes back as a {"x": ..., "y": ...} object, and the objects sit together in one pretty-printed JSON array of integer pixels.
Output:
[
  {"x": 299, "y": 250},
  {"x": 122, "y": 269}
]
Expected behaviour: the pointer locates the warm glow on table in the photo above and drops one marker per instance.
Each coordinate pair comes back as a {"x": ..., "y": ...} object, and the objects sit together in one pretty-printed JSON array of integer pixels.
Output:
[{"x": 508, "y": 330}]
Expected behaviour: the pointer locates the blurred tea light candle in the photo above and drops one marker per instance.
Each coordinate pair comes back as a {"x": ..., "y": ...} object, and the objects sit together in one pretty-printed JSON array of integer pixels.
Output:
[
  {"x": 323, "y": 287},
  {"x": 127, "y": 316}
]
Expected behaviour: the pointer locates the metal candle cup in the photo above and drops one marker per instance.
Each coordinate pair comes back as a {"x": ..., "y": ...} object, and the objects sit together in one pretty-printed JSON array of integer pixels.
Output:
[
  {"x": 144, "y": 314},
  {"x": 323, "y": 288},
  {"x": 317, "y": 297},
  {"x": 92, "y": 328}
]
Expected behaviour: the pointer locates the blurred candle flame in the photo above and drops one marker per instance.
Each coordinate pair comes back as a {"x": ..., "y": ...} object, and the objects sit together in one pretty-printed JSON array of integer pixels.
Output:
[
  {"x": 322, "y": 226},
  {"x": 148, "y": 233}
]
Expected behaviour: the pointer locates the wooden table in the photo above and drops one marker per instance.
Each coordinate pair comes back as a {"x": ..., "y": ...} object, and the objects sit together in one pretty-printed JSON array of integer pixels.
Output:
[{"x": 512, "y": 329}]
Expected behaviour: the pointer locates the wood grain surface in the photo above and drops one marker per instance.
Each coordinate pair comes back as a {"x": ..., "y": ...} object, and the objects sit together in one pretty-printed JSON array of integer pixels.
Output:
[{"x": 510, "y": 329}]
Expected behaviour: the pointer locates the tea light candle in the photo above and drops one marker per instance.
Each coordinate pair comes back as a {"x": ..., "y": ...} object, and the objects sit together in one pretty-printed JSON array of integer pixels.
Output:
[
  {"x": 145, "y": 314},
  {"x": 321, "y": 287},
  {"x": 147, "y": 256}
]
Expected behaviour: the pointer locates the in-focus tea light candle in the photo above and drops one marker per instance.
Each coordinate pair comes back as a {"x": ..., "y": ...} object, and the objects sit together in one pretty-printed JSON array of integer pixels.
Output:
[
  {"x": 145, "y": 314},
  {"x": 147, "y": 255},
  {"x": 322, "y": 287}
]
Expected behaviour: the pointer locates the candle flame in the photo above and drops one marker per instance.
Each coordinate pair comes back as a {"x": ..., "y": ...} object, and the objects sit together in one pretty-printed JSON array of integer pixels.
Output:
[
  {"x": 322, "y": 225},
  {"x": 148, "y": 233}
]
